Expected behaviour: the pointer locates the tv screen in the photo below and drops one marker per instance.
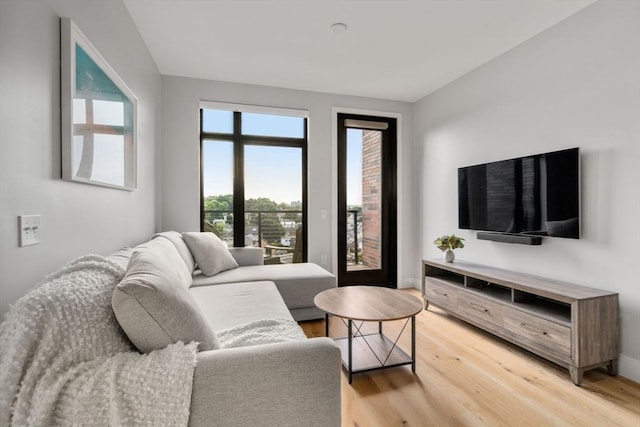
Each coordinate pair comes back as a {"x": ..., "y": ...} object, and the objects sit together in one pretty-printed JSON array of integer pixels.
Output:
[{"x": 537, "y": 195}]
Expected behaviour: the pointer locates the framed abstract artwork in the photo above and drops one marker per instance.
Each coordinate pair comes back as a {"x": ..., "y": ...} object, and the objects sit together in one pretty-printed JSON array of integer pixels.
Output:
[{"x": 98, "y": 113}]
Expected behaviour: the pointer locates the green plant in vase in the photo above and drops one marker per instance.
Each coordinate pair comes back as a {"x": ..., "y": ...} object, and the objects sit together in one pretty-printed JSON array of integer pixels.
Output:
[{"x": 447, "y": 244}]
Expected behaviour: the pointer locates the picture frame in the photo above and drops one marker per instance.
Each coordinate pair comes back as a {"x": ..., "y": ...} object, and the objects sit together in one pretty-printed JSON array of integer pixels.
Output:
[{"x": 98, "y": 116}]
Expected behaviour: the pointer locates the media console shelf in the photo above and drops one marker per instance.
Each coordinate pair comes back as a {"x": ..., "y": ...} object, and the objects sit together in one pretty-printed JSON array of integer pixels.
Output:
[{"x": 573, "y": 326}]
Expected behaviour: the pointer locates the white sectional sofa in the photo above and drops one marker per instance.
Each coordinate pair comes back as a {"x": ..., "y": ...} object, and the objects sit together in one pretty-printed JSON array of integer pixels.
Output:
[
  {"x": 298, "y": 284},
  {"x": 283, "y": 383},
  {"x": 253, "y": 366}
]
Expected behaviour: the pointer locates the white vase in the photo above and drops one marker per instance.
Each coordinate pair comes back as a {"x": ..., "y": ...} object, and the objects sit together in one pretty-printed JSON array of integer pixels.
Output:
[{"x": 449, "y": 255}]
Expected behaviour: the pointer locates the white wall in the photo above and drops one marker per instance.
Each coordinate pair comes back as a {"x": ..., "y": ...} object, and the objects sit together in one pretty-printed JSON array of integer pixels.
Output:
[
  {"x": 576, "y": 84},
  {"x": 76, "y": 218},
  {"x": 180, "y": 166}
]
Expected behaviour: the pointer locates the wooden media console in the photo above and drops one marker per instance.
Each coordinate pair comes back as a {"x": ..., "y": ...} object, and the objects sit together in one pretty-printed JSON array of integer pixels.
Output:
[{"x": 573, "y": 326}]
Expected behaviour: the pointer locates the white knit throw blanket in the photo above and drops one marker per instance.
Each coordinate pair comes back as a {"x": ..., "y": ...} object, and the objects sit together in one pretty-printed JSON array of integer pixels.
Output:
[
  {"x": 64, "y": 360},
  {"x": 260, "y": 332}
]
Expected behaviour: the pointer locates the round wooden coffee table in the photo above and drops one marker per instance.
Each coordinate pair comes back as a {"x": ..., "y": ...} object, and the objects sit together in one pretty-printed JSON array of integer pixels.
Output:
[{"x": 366, "y": 352}]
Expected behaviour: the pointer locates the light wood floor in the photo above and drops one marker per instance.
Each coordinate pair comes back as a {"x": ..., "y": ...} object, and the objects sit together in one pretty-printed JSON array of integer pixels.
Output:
[{"x": 466, "y": 377}]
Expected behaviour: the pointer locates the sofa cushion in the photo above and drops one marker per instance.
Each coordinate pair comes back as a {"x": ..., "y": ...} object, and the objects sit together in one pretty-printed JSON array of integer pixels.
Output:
[
  {"x": 235, "y": 304},
  {"x": 298, "y": 283},
  {"x": 177, "y": 240},
  {"x": 247, "y": 255},
  {"x": 152, "y": 302},
  {"x": 211, "y": 254}
]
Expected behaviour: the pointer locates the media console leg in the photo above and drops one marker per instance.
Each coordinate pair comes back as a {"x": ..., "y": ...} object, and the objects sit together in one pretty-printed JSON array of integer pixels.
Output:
[
  {"x": 576, "y": 374},
  {"x": 612, "y": 367}
]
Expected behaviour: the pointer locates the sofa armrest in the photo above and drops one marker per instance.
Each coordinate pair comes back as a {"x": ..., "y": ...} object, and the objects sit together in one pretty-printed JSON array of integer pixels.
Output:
[
  {"x": 295, "y": 383},
  {"x": 248, "y": 255}
]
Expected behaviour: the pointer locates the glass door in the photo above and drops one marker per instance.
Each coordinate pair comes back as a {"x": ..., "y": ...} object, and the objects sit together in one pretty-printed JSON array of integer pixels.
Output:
[{"x": 366, "y": 200}]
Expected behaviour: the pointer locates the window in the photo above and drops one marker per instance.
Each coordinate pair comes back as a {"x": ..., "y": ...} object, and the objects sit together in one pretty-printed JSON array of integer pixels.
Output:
[{"x": 253, "y": 178}]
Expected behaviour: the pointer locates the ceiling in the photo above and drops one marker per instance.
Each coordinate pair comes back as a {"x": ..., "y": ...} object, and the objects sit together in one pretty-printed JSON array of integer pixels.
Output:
[{"x": 392, "y": 49}]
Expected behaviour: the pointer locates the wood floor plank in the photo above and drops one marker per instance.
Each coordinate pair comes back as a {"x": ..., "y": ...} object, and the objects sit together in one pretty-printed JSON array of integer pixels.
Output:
[{"x": 467, "y": 377}]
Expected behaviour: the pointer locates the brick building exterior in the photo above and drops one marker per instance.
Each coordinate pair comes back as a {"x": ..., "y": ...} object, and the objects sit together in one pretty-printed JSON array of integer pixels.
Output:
[{"x": 371, "y": 198}]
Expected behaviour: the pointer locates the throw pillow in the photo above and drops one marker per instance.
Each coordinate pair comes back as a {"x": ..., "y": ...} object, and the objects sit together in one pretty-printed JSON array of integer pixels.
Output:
[
  {"x": 153, "y": 305},
  {"x": 210, "y": 253}
]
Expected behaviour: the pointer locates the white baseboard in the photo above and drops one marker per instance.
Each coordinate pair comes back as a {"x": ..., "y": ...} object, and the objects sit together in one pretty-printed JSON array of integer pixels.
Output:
[{"x": 629, "y": 368}]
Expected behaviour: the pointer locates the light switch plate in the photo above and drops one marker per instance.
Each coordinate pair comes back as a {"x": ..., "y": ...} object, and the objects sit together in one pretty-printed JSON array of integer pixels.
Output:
[{"x": 29, "y": 229}]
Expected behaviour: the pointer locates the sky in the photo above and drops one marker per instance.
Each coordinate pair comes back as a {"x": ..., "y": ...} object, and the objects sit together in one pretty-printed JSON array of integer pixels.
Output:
[
  {"x": 354, "y": 167},
  {"x": 272, "y": 172}
]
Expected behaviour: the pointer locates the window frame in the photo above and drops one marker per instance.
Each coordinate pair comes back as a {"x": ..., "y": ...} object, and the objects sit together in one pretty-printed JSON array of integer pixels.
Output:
[{"x": 240, "y": 141}]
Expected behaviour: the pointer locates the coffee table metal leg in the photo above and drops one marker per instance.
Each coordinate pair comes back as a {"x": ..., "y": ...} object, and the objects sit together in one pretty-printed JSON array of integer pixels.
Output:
[
  {"x": 326, "y": 324},
  {"x": 413, "y": 344},
  {"x": 350, "y": 354},
  {"x": 380, "y": 328}
]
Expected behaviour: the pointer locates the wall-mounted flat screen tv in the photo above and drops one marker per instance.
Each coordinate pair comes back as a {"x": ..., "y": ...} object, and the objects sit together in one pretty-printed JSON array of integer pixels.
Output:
[{"x": 535, "y": 195}]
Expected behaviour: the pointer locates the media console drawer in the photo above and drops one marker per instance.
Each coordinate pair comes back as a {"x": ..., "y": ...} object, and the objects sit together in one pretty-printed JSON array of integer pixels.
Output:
[
  {"x": 540, "y": 333},
  {"x": 442, "y": 295},
  {"x": 481, "y": 309}
]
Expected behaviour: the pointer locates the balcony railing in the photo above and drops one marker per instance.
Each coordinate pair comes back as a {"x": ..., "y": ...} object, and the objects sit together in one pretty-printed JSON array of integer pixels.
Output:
[
  {"x": 267, "y": 229},
  {"x": 274, "y": 230},
  {"x": 354, "y": 237}
]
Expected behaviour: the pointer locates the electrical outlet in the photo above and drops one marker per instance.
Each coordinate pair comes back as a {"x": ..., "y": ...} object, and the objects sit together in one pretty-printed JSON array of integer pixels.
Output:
[
  {"x": 323, "y": 214},
  {"x": 323, "y": 259},
  {"x": 29, "y": 229}
]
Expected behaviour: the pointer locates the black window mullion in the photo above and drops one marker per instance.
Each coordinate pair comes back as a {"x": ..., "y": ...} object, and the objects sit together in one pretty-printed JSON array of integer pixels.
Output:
[
  {"x": 272, "y": 140},
  {"x": 201, "y": 175},
  {"x": 305, "y": 223},
  {"x": 238, "y": 181},
  {"x": 255, "y": 140},
  {"x": 218, "y": 136}
]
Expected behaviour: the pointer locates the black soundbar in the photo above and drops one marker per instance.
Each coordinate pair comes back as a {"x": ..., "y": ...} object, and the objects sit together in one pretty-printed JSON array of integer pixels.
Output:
[{"x": 523, "y": 239}]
